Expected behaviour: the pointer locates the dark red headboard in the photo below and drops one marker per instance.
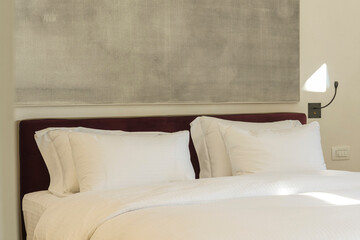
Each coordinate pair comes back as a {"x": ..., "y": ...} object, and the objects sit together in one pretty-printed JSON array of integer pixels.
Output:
[{"x": 33, "y": 172}]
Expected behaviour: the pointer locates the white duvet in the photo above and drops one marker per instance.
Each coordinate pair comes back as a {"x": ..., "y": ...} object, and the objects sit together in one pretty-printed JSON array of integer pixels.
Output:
[{"x": 306, "y": 205}]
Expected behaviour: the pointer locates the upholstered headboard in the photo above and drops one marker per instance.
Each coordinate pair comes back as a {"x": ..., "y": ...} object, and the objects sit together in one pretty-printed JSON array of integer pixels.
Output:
[{"x": 33, "y": 172}]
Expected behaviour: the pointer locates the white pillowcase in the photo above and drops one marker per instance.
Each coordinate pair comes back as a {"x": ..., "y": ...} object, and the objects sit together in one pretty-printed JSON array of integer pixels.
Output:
[
  {"x": 55, "y": 149},
  {"x": 58, "y": 184},
  {"x": 296, "y": 149},
  {"x": 210, "y": 147},
  {"x": 108, "y": 162}
]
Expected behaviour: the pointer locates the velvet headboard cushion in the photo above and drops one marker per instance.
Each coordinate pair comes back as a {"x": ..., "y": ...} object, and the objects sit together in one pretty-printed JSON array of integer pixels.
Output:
[{"x": 33, "y": 172}]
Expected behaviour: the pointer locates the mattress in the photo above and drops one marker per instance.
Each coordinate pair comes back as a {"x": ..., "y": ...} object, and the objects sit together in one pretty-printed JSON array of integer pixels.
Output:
[{"x": 34, "y": 205}]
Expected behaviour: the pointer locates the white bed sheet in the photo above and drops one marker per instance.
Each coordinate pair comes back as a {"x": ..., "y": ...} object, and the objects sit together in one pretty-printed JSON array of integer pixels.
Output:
[
  {"x": 34, "y": 205},
  {"x": 308, "y": 205}
]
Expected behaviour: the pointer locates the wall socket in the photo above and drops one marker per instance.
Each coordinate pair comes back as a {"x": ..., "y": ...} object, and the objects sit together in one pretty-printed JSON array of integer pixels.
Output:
[{"x": 340, "y": 153}]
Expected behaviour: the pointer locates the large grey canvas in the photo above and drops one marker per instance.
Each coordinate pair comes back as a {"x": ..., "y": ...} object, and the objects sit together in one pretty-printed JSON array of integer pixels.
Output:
[{"x": 156, "y": 51}]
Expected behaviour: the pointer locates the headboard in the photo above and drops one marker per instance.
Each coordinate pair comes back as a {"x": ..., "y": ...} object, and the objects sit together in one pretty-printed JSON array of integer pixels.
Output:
[{"x": 33, "y": 172}]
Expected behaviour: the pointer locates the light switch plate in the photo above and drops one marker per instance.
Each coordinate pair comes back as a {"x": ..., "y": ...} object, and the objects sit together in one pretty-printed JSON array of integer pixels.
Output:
[{"x": 340, "y": 153}]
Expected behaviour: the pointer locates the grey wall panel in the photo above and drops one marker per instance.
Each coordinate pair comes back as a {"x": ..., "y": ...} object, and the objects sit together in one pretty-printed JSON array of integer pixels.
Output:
[{"x": 156, "y": 51}]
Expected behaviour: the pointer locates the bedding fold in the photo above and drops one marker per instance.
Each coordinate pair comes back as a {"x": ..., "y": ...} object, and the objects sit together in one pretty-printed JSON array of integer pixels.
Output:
[{"x": 79, "y": 216}]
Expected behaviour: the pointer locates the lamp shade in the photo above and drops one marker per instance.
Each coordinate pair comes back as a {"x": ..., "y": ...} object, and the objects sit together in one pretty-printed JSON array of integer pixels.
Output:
[{"x": 319, "y": 81}]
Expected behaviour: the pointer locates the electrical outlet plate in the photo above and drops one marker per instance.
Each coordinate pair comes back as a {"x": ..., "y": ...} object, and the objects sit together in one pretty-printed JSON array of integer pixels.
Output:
[
  {"x": 312, "y": 112},
  {"x": 340, "y": 153}
]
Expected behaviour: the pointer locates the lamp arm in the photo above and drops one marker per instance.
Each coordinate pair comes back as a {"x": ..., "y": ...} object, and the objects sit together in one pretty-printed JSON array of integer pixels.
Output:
[{"x": 336, "y": 84}]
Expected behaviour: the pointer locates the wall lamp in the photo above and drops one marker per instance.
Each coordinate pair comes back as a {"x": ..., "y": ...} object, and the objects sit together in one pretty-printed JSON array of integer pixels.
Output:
[
  {"x": 319, "y": 82},
  {"x": 314, "y": 109}
]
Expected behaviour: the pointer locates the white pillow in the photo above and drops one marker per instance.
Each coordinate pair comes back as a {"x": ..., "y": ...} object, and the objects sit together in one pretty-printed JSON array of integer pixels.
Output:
[
  {"x": 296, "y": 149},
  {"x": 210, "y": 147},
  {"x": 58, "y": 184},
  {"x": 108, "y": 162},
  {"x": 55, "y": 149}
]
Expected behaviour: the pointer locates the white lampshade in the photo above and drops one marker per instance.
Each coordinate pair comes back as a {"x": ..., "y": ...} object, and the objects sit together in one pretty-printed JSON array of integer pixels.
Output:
[{"x": 319, "y": 81}]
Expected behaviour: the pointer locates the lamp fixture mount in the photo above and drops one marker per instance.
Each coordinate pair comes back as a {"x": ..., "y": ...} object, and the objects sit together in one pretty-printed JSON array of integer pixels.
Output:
[{"x": 314, "y": 109}]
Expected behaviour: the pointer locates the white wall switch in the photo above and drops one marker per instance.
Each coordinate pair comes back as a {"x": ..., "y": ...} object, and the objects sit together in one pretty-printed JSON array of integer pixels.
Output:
[{"x": 340, "y": 153}]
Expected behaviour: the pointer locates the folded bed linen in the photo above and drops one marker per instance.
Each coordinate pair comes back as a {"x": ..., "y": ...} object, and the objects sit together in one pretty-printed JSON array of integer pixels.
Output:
[
  {"x": 303, "y": 205},
  {"x": 34, "y": 205}
]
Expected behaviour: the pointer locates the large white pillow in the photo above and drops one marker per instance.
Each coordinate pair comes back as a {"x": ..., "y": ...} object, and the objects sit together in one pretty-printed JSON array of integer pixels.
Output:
[
  {"x": 210, "y": 147},
  {"x": 295, "y": 149},
  {"x": 110, "y": 161},
  {"x": 55, "y": 149}
]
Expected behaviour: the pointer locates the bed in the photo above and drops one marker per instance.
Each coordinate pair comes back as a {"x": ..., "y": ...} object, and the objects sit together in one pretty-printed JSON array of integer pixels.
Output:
[{"x": 270, "y": 205}]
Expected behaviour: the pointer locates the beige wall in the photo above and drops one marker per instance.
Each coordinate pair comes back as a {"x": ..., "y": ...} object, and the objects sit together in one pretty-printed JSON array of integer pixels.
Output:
[
  {"x": 8, "y": 166},
  {"x": 328, "y": 34}
]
